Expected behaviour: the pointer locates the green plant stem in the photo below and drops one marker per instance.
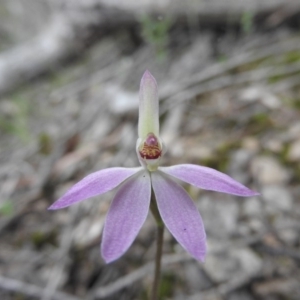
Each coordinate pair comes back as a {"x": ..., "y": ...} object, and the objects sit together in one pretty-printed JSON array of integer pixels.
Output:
[
  {"x": 159, "y": 241},
  {"x": 158, "y": 256}
]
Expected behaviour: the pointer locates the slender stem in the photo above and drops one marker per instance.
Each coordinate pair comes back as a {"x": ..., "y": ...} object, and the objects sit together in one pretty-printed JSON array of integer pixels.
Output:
[
  {"x": 156, "y": 280},
  {"x": 159, "y": 241}
]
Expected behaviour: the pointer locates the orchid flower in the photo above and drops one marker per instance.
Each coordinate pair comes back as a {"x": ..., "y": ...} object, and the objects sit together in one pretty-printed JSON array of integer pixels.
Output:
[{"x": 130, "y": 206}]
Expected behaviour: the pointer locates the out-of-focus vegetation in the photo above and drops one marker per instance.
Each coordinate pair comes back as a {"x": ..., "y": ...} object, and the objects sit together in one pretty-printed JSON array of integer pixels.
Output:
[{"x": 156, "y": 32}]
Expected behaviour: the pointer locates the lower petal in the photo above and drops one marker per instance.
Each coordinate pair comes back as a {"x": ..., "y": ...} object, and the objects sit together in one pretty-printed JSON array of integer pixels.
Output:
[
  {"x": 126, "y": 216},
  {"x": 179, "y": 214}
]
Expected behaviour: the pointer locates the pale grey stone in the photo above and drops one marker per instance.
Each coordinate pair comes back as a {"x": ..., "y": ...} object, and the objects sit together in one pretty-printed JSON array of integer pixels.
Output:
[
  {"x": 251, "y": 144},
  {"x": 238, "y": 164},
  {"x": 290, "y": 234},
  {"x": 220, "y": 267},
  {"x": 267, "y": 170},
  {"x": 294, "y": 131},
  {"x": 240, "y": 158},
  {"x": 252, "y": 207},
  {"x": 195, "y": 278},
  {"x": 274, "y": 144},
  {"x": 220, "y": 214},
  {"x": 277, "y": 198},
  {"x": 261, "y": 94},
  {"x": 256, "y": 224},
  {"x": 249, "y": 262},
  {"x": 294, "y": 151},
  {"x": 230, "y": 263},
  {"x": 88, "y": 230}
]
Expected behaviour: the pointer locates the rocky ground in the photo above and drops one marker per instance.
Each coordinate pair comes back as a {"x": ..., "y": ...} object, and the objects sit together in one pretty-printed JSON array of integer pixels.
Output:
[{"x": 229, "y": 100}]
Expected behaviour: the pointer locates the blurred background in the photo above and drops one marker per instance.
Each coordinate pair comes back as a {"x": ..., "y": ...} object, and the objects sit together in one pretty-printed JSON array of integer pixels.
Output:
[{"x": 229, "y": 84}]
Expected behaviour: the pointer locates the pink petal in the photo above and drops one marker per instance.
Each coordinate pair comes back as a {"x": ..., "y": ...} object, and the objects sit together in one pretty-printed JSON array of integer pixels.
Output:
[
  {"x": 126, "y": 216},
  {"x": 180, "y": 214},
  {"x": 94, "y": 184},
  {"x": 208, "y": 179}
]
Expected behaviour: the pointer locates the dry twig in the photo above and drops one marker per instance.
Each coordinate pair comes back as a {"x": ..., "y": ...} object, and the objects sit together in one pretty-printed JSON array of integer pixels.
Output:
[{"x": 30, "y": 290}]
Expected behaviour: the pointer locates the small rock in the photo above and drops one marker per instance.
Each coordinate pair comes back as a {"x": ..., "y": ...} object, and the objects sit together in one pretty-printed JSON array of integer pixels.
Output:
[
  {"x": 50, "y": 272},
  {"x": 289, "y": 235},
  {"x": 238, "y": 163},
  {"x": 252, "y": 207},
  {"x": 282, "y": 286},
  {"x": 249, "y": 262},
  {"x": 256, "y": 225},
  {"x": 240, "y": 158},
  {"x": 294, "y": 131},
  {"x": 219, "y": 215},
  {"x": 88, "y": 230},
  {"x": 251, "y": 144},
  {"x": 231, "y": 263},
  {"x": 294, "y": 151},
  {"x": 270, "y": 100},
  {"x": 8, "y": 109},
  {"x": 250, "y": 94},
  {"x": 194, "y": 277},
  {"x": 259, "y": 93},
  {"x": 267, "y": 170},
  {"x": 240, "y": 176},
  {"x": 219, "y": 266},
  {"x": 274, "y": 145},
  {"x": 277, "y": 199},
  {"x": 243, "y": 229}
]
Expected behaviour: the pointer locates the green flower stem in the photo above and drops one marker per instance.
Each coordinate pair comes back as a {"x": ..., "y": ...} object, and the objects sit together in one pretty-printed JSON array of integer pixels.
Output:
[{"x": 158, "y": 256}]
